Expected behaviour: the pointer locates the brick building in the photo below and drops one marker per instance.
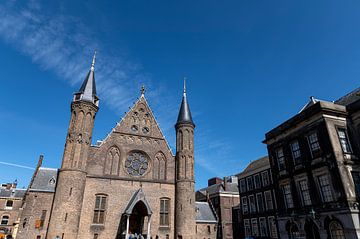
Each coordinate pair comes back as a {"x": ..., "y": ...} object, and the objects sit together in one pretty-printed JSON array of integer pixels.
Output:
[
  {"x": 130, "y": 183},
  {"x": 11, "y": 199},
  {"x": 222, "y": 195},
  {"x": 256, "y": 214},
  {"x": 314, "y": 157}
]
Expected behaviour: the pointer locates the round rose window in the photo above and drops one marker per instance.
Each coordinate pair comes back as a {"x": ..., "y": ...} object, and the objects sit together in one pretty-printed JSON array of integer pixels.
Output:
[{"x": 136, "y": 164}]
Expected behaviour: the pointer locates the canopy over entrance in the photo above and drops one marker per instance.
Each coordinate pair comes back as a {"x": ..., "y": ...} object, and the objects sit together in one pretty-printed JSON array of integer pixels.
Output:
[
  {"x": 137, "y": 214},
  {"x": 137, "y": 197}
]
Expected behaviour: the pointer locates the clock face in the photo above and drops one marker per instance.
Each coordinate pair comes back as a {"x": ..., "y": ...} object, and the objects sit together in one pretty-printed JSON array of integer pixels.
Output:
[
  {"x": 145, "y": 130},
  {"x": 136, "y": 164}
]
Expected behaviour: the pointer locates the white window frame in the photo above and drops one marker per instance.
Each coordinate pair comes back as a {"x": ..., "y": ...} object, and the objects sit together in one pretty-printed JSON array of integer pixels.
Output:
[
  {"x": 255, "y": 232},
  {"x": 311, "y": 143},
  {"x": 273, "y": 233},
  {"x": 294, "y": 151},
  {"x": 267, "y": 176},
  {"x": 247, "y": 226},
  {"x": 257, "y": 202},
  {"x": 244, "y": 205},
  {"x": 287, "y": 202},
  {"x": 347, "y": 140},
  {"x": 271, "y": 199},
  {"x": 281, "y": 163},
  {"x": 331, "y": 190},
  {"x": 242, "y": 190},
  {"x": 308, "y": 201},
  {"x": 250, "y": 204}
]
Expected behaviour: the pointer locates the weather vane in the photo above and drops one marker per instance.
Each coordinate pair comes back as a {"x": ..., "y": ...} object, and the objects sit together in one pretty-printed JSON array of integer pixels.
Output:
[{"x": 142, "y": 90}]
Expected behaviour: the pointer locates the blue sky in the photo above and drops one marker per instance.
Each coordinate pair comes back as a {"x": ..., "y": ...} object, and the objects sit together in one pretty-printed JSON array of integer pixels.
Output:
[{"x": 250, "y": 66}]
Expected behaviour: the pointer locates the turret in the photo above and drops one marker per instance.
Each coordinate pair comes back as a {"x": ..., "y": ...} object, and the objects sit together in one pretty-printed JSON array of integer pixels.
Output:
[
  {"x": 185, "y": 193},
  {"x": 65, "y": 218}
]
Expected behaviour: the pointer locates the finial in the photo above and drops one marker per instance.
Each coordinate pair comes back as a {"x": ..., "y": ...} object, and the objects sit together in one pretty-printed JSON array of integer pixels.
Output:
[
  {"x": 184, "y": 85},
  {"x": 93, "y": 62},
  {"x": 142, "y": 90}
]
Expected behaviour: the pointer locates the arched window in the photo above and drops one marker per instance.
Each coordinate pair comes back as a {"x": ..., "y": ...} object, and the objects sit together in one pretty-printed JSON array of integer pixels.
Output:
[
  {"x": 112, "y": 161},
  {"x": 336, "y": 230},
  {"x": 4, "y": 220},
  {"x": 100, "y": 209},
  {"x": 164, "y": 212}
]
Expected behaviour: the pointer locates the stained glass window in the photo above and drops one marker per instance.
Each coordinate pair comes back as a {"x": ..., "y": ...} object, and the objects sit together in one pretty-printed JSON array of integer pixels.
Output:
[{"x": 136, "y": 164}]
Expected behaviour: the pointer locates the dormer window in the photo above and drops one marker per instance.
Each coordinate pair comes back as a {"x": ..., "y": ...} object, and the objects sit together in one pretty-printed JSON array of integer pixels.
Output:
[{"x": 9, "y": 204}]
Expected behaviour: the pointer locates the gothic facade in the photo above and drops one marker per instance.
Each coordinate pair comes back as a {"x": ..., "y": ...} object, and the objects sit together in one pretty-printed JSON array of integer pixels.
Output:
[{"x": 128, "y": 184}]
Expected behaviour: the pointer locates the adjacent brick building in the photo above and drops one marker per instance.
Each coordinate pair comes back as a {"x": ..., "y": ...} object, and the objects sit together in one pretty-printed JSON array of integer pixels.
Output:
[
  {"x": 315, "y": 160},
  {"x": 256, "y": 214},
  {"x": 11, "y": 199},
  {"x": 223, "y": 195},
  {"x": 129, "y": 183}
]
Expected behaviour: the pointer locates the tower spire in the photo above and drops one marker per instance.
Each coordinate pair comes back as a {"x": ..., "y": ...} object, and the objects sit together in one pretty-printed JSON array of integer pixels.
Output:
[
  {"x": 184, "y": 116},
  {"x": 93, "y": 62},
  {"x": 87, "y": 91}
]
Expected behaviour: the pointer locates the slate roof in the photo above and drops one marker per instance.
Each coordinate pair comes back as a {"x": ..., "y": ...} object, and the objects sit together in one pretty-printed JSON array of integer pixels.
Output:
[
  {"x": 349, "y": 98},
  {"x": 184, "y": 112},
  {"x": 254, "y": 166},
  {"x": 12, "y": 193},
  {"x": 219, "y": 188},
  {"x": 204, "y": 213},
  {"x": 136, "y": 197},
  {"x": 45, "y": 180}
]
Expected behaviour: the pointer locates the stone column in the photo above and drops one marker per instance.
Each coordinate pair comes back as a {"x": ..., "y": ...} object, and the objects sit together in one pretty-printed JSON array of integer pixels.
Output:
[
  {"x": 127, "y": 226},
  {"x": 148, "y": 228}
]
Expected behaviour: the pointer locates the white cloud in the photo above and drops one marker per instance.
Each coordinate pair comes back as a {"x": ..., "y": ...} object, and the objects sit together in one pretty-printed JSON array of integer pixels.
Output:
[{"x": 64, "y": 44}]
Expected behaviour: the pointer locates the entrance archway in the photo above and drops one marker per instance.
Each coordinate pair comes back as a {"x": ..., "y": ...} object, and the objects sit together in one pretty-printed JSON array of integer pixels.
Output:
[
  {"x": 136, "y": 217},
  {"x": 311, "y": 230}
]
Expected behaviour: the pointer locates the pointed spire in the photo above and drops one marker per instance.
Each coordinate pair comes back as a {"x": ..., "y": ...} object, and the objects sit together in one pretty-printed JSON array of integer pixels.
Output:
[
  {"x": 87, "y": 91},
  {"x": 184, "y": 112}
]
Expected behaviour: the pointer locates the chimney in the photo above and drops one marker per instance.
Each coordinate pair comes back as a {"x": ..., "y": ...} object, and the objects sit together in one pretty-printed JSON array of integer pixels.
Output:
[{"x": 213, "y": 181}]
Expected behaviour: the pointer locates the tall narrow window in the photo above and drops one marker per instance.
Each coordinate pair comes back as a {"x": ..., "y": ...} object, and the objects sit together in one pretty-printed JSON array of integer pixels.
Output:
[
  {"x": 262, "y": 225},
  {"x": 260, "y": 202},
  {"x": 288, "y": 196},
  {"x": 252, "y": 204},
  {"x": 325, "y": 188},
  {"x": 254, "y": 227},
  {"x": 313, "y": 144},
  {"x": 268, "y": 200},
  {"x": 304, "y": 192},
  {"x": 336, "y": 230},
  {"x": 280, "y": 159},
  {"x": 164, "y": 212},
  {"x": 257, "y": 181},
  {"x": 344, "y": 141},
  {"x": 272, "y": 227},
  {"x": 4, "y": 220},
  {"x": 356, "y": 178},
  {"x": 247, "y": 227},
  {"x": 242, "y": 185},
  {"x": 244, "y": 204},
  {"x": 295, "y": 151},
  {"x": 42, "y": 218},
  {"x": 265, "y": 178},
  {"x": 100, "y": 209},
  {"x": 250, "y": 184}
]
